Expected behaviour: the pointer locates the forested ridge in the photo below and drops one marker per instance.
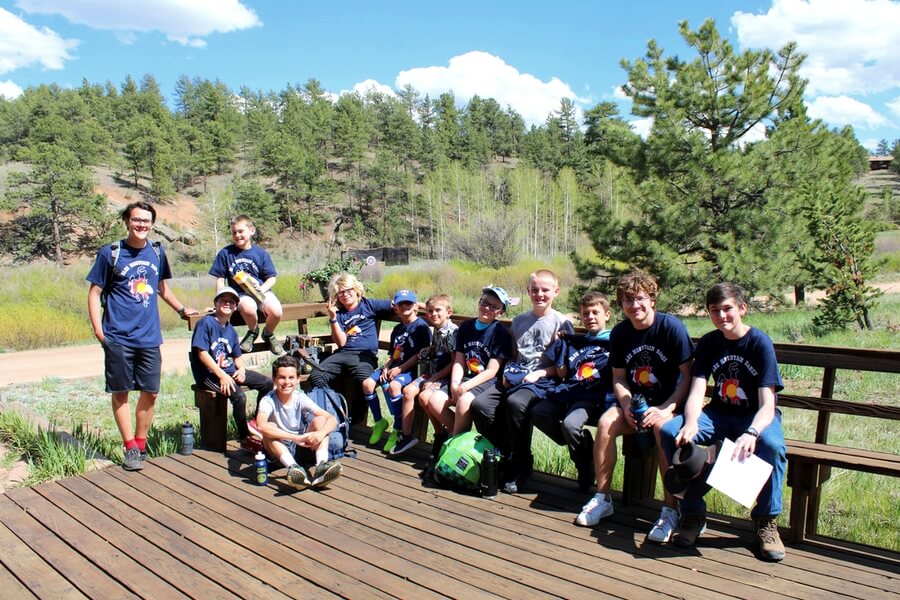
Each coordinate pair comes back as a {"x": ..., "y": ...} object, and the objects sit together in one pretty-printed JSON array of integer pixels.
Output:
[{"x": 734, "y": 180}]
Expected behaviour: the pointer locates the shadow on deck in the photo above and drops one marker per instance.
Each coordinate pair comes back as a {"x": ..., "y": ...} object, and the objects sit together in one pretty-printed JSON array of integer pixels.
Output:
[{"x": 198, "y": 527}]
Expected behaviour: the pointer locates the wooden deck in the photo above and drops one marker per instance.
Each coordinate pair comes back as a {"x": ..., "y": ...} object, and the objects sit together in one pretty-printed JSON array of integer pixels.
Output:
[{"x": 197, "y": 527}]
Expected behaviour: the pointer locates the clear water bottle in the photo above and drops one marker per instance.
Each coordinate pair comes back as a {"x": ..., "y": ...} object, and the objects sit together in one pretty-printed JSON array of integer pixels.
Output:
[
  {"x": 187, "y": 439},
  {"x": 639, "y": 407},
  {"x": 262, "y": 469},
  {"x": 490, "y": 467}
]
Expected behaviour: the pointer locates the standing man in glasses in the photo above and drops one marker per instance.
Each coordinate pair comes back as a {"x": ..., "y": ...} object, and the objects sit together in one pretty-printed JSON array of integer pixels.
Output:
[{"x": 126, "y": 279}]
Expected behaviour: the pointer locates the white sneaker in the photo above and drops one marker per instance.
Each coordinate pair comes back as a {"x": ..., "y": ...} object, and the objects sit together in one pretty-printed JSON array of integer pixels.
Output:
[
  {"x": 599, "y": 506},
  {"x": 664, "y": 526}
]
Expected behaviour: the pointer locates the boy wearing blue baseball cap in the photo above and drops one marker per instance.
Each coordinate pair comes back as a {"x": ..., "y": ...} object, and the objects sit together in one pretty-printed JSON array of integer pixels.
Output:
[{"x": 410, "y": 335}]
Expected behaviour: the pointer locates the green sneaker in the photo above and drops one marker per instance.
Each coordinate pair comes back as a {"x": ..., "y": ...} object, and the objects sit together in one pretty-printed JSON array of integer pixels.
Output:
[
  {"x": 391, "y": 441},
  {"x": 378, "y": 430}
]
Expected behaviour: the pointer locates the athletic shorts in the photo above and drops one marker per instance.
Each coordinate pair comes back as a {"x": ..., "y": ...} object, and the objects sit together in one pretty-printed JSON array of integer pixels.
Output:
[
  {"x": 128, "y": 369},
  {"x": 403, "y": 378}
]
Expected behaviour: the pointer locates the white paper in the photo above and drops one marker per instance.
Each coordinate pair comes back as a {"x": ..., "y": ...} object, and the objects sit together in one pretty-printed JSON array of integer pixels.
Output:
[{"x": 740, "y": 481}]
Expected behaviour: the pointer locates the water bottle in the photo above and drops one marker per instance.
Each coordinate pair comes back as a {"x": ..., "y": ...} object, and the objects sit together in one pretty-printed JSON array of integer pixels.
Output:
[
  {"x": 638, "y": 408},
  {"x": 187, "y": 439},
  {"x": 262, "y": 471},
  {"x": 490, "y": 462}
]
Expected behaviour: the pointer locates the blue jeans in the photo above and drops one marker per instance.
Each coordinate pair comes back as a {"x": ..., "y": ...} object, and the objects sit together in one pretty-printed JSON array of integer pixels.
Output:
[{"x": 714, "y": 425}]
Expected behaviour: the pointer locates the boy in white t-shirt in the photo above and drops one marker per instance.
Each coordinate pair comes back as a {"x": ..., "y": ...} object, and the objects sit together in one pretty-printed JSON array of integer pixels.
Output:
[{"x": 290, "y": 421}]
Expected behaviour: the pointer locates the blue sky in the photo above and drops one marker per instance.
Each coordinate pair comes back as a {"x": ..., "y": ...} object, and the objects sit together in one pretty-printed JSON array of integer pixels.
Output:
[{"x": 528, "y": 53}]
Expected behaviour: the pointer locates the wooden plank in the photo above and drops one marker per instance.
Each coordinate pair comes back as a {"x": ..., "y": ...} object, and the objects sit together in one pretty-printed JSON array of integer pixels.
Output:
[
  {"x": 823, "y": 454},
  {"x": 117, "y": 564},
  {"x": 29, "y": 567},
  {"x": 247, "y": 528},
  {"x": 11, "y": 586},
  {"x": 847, "y": 407}
]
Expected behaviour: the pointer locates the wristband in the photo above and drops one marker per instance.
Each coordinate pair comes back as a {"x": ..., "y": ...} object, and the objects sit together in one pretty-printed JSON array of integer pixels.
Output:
[
  {"x": 181, "y": 311},
  {"x": 752, "y": 431},
  {"x": 332, "y": 321}
]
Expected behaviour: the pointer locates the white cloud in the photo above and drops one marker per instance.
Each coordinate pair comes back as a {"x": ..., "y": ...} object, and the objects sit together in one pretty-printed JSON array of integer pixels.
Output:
[
  {"x": 370, "y": 85},
  {"x": 619, "y": 93},
  {"x": 843, "y": 110},
  {"x": 10, "y": 90},
  {"x": 894, "y": 106},
  {"x": 186, "y": 22},
  {"x": 22, "y": 45},
  {"x": 485, "y": 75},
  {"x": 642, "y": 126},
  {"x": 851, "y": 44}
]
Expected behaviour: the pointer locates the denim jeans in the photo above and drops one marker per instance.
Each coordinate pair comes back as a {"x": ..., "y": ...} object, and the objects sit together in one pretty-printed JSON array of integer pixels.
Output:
[{"x": 714, "y": 425}]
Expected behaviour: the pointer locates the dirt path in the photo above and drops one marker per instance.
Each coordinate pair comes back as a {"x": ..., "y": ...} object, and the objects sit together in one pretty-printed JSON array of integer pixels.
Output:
[{"x": 74, "y": 362}]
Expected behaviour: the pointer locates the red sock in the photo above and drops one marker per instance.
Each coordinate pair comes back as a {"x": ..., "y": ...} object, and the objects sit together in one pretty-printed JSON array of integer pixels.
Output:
[
  {"x": 141, "y": 443},
  {"x": 132, "y": 443}
]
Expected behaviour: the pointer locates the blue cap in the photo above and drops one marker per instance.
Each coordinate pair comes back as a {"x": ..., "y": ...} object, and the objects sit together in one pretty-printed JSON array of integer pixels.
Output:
[
  {"x": 499, "y": 292},
  {"x": 404, "y": 296}
]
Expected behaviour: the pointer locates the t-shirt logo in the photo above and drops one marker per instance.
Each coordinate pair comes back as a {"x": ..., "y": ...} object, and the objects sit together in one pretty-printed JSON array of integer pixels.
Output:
[
  {"x": 644, "y": 377},
  {"x": 731, "y": 392},
  {"x": 398, "y": 352},
  {"x": 140, "y": 289},
  {"x": 353, "y": 331},
  {"x": 474, "y": 365},
  {"x": 587, "y": 372}
]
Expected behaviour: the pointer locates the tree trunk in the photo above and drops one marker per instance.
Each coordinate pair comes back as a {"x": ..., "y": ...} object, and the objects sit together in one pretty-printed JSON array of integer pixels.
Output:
[{"x": 799, "y": 294}]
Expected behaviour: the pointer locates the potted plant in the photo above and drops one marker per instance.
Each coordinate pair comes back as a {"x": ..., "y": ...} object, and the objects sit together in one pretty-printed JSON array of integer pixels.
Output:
[{"x": 322, "y": 275}]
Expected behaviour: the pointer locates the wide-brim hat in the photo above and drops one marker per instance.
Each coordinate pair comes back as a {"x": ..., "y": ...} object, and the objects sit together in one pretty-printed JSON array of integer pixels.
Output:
[{"x": 691, "y": 464}]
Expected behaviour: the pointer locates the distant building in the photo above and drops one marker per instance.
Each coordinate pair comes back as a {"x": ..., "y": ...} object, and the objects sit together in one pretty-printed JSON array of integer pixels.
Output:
[{"x": 878, "y": 163}]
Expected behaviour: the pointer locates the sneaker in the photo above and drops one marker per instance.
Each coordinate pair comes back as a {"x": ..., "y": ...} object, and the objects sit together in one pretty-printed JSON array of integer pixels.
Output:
[
  {"x": 404, "y": 444},
  {"x": 298, "y": 477},
  {"x": 132, "y": 460},
  {"x": 251, "y": 445},
  {"x": 378, "y": 430},
  {"x": 326, "y": 472},
  {"x": 511, "y": 487},
  {"x": 692, "y": 527},
  {"x": 598, "y": 507},
  {"x": 249, "y": 339},
  {"x": 275, "y": 347},
  {"x": 664, "y": 526},
  {"x": 143, "y": 455},
  {"x": 391, "y": 441},
  {"x": 254, "y": 429},
  {"x": 770, "y": 546}
]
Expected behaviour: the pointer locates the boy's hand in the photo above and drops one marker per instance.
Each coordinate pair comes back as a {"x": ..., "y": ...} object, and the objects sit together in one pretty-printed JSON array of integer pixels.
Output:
[
  {"x": 310, "y": 440},
  {"x": 240, "y": 375},
  {"x": 686, "y": 434},
  {"x": 331, "y": 307},
  {"x": 744, "y": 447},
  {"x": 226, "y": 385}
]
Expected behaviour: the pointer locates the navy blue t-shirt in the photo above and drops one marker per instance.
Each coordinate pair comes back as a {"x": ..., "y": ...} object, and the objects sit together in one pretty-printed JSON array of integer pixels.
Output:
[
  {"x": 586, "y": 360},
  {"x": 131, "y": 317},
  {"x": 651, "y": 356},
  {"x": 479, "y": 347},
  {"x": 407, "y": 340},
  {"x": 254, "y": 261},
  {"x": 738, "y": 369},
  {"x": 220, "y": 341},
  {"x": 359, "y": 324}
]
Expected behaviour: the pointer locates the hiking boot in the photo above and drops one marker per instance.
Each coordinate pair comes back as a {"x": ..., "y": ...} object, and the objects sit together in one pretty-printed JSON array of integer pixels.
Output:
[
  {"x": 378, "y": 430},
  {"x": 132, "y": 460},
  {"x": 326, "y": 472},
  {"x": 770, "y": 546},
  {"x": 661, "y": 532},
  {"x": 275, "y": 347},
  {"x": 298, "y": 477},
  {"x": 249, "y": 339},
  {"x": 404, "y": 444},
  {"x": 391, "y": 441},
  {"x": 598, "y": 507},
  {"x": 692, "y": 526}
]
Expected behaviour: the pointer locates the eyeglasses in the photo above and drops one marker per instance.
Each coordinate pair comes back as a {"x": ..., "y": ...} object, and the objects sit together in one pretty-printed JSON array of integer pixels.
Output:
[
  {"x": 488, "y": 305},
  {"x": 137, "y": 221},
  {"x": 635, "y": 299},
  {"x": 345, "y": 292}
]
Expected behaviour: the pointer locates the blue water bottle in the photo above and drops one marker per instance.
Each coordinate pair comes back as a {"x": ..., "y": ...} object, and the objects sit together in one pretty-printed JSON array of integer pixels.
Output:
[
  {"x": 638, "y": 408},
  {"x": 187, "y": 439},
  {"x": 262, "y": 470}
]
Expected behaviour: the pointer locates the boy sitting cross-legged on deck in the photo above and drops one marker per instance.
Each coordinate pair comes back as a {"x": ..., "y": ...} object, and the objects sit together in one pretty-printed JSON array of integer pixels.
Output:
[
  {"x": 585, "y": 392},
  {"x": 291, "y": 422},
  {"x": 408, "y": 337},
  {"x": 434, "y": 363}
]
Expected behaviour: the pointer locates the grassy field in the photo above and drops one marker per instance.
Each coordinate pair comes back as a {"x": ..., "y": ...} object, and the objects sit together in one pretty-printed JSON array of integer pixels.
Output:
[{"x": 45, "y": 306}]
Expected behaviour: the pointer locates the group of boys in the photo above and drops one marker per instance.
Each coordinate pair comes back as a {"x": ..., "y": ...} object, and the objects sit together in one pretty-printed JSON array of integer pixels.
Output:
[{"x": 536, "y": 373}]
